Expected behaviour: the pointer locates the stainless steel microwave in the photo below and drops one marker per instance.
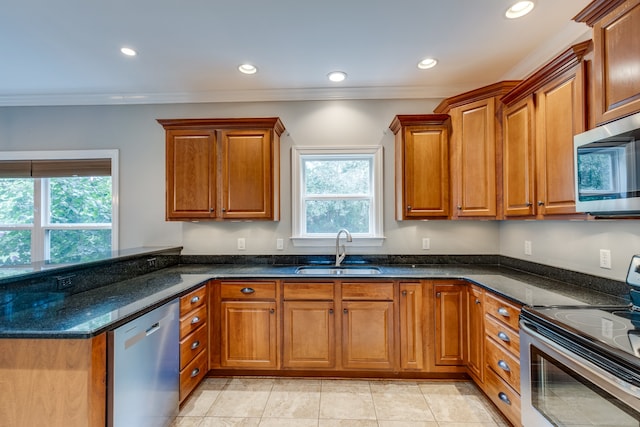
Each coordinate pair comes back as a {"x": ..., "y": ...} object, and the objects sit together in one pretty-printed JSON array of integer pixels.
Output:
[{"x": 607, "y": 168}]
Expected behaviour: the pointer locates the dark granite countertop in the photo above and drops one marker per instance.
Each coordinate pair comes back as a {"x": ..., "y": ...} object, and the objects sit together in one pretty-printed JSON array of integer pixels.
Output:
[{"x": 91, "y": 312}]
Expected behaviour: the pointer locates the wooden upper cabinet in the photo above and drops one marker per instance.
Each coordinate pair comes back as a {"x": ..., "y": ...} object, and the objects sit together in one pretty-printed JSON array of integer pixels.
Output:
[
  {"x": 541, "y": 116},
  {"x": 422, "y": 166},
  {"x": 191, "y": 177},
  {"x": 476, "y": 135},
  {"x": 223, "y": 168},
  {"x": 616, "y": 37},
  {"x": 518, "y": 152}
]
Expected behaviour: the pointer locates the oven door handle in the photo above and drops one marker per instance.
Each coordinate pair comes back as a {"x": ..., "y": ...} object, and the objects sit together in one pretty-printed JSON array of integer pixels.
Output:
[{"x": 585, "y": 365}]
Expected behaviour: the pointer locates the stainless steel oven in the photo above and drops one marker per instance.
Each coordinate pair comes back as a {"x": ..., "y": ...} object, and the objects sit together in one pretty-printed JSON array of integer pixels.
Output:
[{"x": 567, "y": 382}]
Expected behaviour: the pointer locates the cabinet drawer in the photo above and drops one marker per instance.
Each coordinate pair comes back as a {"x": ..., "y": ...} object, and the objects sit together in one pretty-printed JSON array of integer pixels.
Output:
[
  {"x": 191, "y": 376},
  {"x": 193, "y": 300},
  {"x": 502, "y": 310},
  {"x": 504, "y": 335},
  {"x": 248, "y": 290},
  {"x": 193, "y": 321},
  {"x": 503, "y": 363},
  {"x": 192, "y": 345},
  {"x": 308, "y": 291},
  {"x": 367, "y": 291},
  {"x": 504, "y": 397}
]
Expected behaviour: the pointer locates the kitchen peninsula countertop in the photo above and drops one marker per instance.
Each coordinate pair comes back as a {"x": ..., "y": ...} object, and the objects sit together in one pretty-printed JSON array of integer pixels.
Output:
[{"x": 89, "y": 313}]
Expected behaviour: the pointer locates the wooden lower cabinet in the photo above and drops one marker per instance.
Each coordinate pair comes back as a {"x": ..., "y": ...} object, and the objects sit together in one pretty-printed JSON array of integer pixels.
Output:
[
  {"x": 450, "y": 317},
  {"x": 474, "y": 356},
  {"x": 53, "y": 382},
  {"x": 309, "y": 339},
  {"x": 248, "y": 334},
  {"x": 411, "y": 326},
  {"x": 194, "y": 334},
  {"x": 368, "y": 335}
]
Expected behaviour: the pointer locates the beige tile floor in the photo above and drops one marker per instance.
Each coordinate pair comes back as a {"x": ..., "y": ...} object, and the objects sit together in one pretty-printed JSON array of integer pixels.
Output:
[{"x": 303, "y": 402}]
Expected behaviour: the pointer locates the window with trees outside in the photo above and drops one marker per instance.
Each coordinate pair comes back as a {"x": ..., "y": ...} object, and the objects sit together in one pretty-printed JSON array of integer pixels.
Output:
[
  {"x": 336, "y": 188},
  {"x": 57, "y": 207}
]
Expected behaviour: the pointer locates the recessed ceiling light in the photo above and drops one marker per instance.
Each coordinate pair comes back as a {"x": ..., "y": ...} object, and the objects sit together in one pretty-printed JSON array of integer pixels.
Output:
[
  {"x": 128, "y": 51},
  {"x": 519, "y": 9},
  {"x": 427, "y": 63},
  {"x": 337, "y": 76},
  {"x": 248, "y": 69}
]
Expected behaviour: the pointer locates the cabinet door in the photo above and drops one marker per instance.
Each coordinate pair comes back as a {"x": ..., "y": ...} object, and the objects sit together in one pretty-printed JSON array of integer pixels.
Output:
[
  {"x": 426, "y": 172},
  {"x": 616, "y": 72},
  {"x": 475, "y": 332},
  {"x": 309, "y": 334},
  {"x": 247, "y": 174},
  {"x": 411, "y": 342},
  {"x": 367, "y": 335},
  {"x": 559, "y": 116},
  {"x": 518, "y": 152},
  {"x": 473, "y": 163},
  {"x": 450, "y": 323},
  {"x": 191, "y": 174},
  {"x": 248, "y": 334}
]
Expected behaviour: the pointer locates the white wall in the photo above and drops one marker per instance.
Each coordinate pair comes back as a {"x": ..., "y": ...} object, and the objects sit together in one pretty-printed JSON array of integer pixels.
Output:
[{"x": 134, "y": 131}]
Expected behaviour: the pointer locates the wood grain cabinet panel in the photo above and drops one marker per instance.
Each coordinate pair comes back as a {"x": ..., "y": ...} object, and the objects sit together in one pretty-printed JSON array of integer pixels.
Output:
[
  {"x": 422, "y": 166},
  {"x": 474, "y": 358},
  {"x": 223, "y": 168},
  {"x": 309, "y": 334},
  {"x": 411, "y": 326},
  {"x": 616, "y": 37},
  {"x": 450, "y": 318}
]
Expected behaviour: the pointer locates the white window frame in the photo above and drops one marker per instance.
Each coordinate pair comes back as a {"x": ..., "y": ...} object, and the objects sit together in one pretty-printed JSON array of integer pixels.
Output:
[
  {"x": 298, "y": 155},
  {"x": 39, "y": 228}
]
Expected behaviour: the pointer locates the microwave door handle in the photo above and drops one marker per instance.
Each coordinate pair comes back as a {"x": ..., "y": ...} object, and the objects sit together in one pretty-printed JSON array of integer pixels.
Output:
[{"x": 584, "y": 365}]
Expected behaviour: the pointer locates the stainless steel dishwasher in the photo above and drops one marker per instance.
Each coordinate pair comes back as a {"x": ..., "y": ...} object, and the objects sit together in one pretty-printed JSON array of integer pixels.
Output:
[{"x": 144, "y": 370}]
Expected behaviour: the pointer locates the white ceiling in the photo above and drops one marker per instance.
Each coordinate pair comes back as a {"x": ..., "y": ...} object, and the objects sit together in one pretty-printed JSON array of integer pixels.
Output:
[{"x": 66, "y": 52}]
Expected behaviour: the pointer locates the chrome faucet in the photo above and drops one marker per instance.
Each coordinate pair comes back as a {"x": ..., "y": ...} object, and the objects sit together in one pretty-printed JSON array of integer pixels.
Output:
[{"x": 340, "y": 256}]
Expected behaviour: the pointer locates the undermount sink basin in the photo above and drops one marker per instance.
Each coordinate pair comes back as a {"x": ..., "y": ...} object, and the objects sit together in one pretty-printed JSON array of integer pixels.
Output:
[{"x": 337, "y": 270}]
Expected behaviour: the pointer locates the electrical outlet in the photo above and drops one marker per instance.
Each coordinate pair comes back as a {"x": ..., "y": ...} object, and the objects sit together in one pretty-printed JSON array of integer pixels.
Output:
[
  {"x": 241, "y": 244},
  {"x": 605, "y": 259},
  {"x": 426, "y": 243},
  {"x": 279, "y": 244},
  {"x": 152, "y": 262},
  {"x": 65, "y": 281},
  {"x": 527, "y": 247}
]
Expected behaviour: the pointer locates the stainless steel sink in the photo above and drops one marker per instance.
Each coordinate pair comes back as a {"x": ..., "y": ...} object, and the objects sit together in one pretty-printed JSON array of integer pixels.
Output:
[{"x": 337, "y": 270}]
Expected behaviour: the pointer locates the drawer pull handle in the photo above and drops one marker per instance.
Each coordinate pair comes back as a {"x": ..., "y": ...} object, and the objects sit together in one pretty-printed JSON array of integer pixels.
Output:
[
  {"x": 195, "y": 372},
  {"x": 247, "y": 291},
  {"x": 195, "y": 320},
  {"x": 195, "y": 299},
  {"x": 503, "y": 312},
  {"x": 504, "y": 365},
  {"x": 504, "y": 398},
  {"x": 195, "y": 345},
  {"x": 504, "y": 337}
]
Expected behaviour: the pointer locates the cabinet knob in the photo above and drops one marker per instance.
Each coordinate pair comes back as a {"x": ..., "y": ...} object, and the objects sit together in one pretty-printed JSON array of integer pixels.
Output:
[
  {"x": 459, "y": 207},
  {"x": 345, "y": 311},
  {"x": 331, "y": 311},
  {"x": 504, "y": 398},
  {"x": 504, "y": 337},
  {"x": 437, "y": 294},
  {"x": 540, "y": 203},
  {"x": 211, "y": 210},
  {"x": 247, "y": 291},
  {"x": 504, "y": 365},
  {"x": 503, "y": 312},
  {"x": 529, "y": 204},
  {"x": 195, "y": 345},
  {"x": 195, "y": 299},
  {"x": 404, "y": 293},
  {"x": 224, "y": 209},
  {"x": 409, "y": 207},
  {"x": 272, "y": 310},
  {"x": 477, "y": 301},
  {"x": 195, "y": 320}
]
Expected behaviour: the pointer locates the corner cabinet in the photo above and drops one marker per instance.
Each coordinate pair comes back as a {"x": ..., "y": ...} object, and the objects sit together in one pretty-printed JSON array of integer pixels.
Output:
[
  {"x": 422, "y": 166},
  {"x": 541, "y": 116},
  {"x": 616, "y": 36},
  {"x": 476, "y": 142},
  {"x": 222, "y": 169}
]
